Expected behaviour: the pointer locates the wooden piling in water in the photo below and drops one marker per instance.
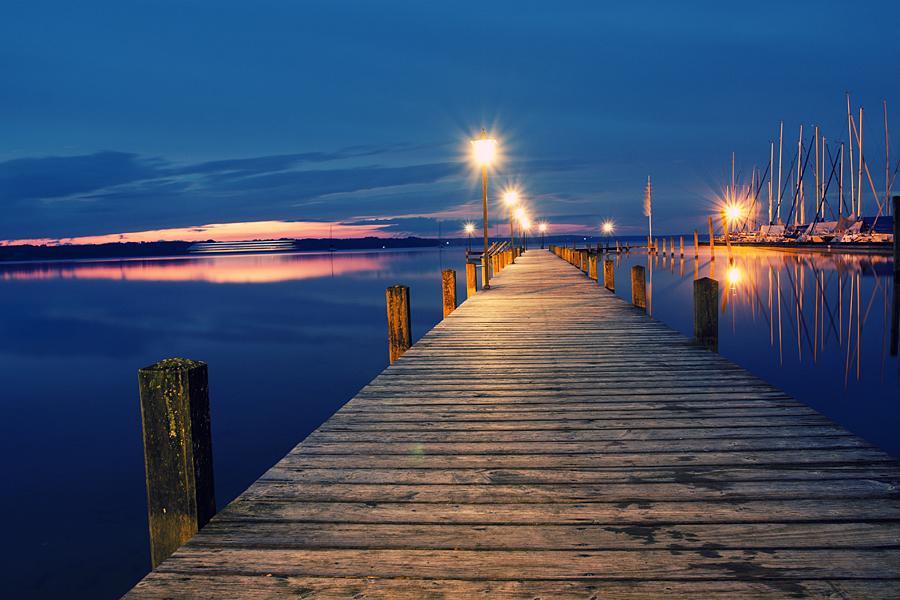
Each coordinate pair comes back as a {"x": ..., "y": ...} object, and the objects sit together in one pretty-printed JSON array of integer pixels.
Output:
[
  {"x": 448, "y": 290},
  {"x": 592, "y": 269},
  {"x": 696, "y": 244},
  {"x": 638, "y": 287},
  {"x": 712, "y": 241},
  {"x": 399, "y": 333},
  {"x": 681, "y": 246},
  {"x": 609, "y": 275},
  {"x": 174, "y": 396},
  {"x": 471, "y": 280},
  {"x": 706, "y": 316}
]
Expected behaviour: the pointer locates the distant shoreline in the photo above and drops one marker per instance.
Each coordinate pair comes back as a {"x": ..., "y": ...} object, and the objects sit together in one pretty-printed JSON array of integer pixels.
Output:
[{"x": 165, "y": 249}]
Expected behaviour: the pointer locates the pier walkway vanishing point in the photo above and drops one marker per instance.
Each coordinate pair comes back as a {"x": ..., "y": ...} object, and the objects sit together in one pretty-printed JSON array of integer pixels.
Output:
[{"x": 547, "y": 439}]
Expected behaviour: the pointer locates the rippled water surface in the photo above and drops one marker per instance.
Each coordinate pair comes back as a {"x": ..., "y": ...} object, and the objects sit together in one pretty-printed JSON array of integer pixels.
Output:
[{"x": 290, "y": 338}]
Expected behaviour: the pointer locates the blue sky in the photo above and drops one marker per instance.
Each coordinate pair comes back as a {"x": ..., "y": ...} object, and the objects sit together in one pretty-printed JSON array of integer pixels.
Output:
[{"x": 143, "y": 115}]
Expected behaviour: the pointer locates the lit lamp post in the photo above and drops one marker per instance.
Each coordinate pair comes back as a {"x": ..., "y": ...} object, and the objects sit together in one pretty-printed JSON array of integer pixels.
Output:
[
  {"x": 542, "y": 227},
  {"x": 525, "y": 223},
  {"x": 470, "y": 229},
  {"x": 608, "y": 228},
  {"x": 511, "y": 197},
  {"x": 484, "y": 149},
  {"x": 520, "y": 216}
]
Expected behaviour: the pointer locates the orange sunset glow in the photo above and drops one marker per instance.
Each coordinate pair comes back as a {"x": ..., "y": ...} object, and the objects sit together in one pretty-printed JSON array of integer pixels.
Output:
[
  {"x": 219, "y": 269},
  {"x": 222, "y": 232}
]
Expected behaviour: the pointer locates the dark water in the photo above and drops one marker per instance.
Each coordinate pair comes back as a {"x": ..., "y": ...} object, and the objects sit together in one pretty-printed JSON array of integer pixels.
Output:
[{"x": 290, "y": 338}]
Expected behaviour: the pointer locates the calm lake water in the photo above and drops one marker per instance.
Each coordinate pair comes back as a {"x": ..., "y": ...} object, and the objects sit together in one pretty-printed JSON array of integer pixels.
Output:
[{"x": 290, "y": 338}]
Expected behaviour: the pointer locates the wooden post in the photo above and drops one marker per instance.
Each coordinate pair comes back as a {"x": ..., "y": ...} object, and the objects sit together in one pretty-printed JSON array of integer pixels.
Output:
[
  {"x": 706, "y": 316},
  {"x": 471, "y": 280},
  {"x": 681, "y": 246},
  {"x": 585, "y": 260},
  {"x": 609, "y": 275},
  {"x": 177, "y": 452},
  {"x": 696, "y": 244},
  {"x": 672, "y": 247},
  {"x": 712, "y": 241},
  {"x": 399, "y": 333},
  {"x": 485, "y": 272},
  {"x": 592, "y": 269},
  {"x": 638, "y": 287},
  {"x": 448, "y": 290}
]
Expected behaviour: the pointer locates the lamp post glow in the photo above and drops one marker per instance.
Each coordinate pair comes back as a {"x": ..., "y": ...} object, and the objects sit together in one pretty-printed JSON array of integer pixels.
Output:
[
  {"x": 542, "y": 227},
  {"x": 608, "y": 227},
  {"x": 470, "y": 229},
  {"x": 484, "y": 149},
  {"x": 525, "y": 224},
  {"x": 511, "y": 198}
]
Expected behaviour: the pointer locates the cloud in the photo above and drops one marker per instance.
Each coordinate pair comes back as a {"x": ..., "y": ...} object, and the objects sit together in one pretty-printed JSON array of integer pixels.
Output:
[{"x": 57, "y": 176}]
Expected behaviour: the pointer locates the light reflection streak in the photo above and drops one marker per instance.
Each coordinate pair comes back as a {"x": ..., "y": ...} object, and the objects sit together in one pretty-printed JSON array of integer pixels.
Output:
[{"x": 238, "y": 269}]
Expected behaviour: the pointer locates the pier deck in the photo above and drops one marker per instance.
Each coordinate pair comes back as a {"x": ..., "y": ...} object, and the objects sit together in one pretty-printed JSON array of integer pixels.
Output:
[{"x": 549, "y": 440}]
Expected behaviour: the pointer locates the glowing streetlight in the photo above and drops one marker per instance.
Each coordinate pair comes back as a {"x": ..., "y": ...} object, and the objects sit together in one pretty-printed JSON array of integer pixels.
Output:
[
  {"x": 525, "y": 224},
  {"x": 484, "y": 150},
  {"x": 733, "y": 212},
  {"x": 511, "y": 198},
  {"x": 608, "y": 227},
  {"x": 470, "y": 229},
  {"x": 542, "y": 227}
]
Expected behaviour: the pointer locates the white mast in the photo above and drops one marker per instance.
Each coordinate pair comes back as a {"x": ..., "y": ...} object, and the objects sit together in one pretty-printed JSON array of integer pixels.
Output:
[
  {"x": 798, "y": 210},
  {"x": 887, "y": 160},
  {"x": 771, "y": 168},
  {"x": 841, "y": 185},
  {"x": 850, "y": 137},
  {"x": 818, "y": 181},
  {"x": 780, "y": 149},
  {"x": 859, "y": 165}
]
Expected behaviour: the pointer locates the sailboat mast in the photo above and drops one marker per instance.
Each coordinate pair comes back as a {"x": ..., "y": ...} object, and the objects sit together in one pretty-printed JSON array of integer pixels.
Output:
[
  {"x": 798, "y": 214},
  {"x": 859, "y": 165},
  {"x": 818, "y": 193},
  {"x": 780, "y": 151},
  {"x": 841, "y": 185},
  {"x": 850, "y": 139},
  {"x": 887, "y": 160},
  {"x": 771, "y": 169}
]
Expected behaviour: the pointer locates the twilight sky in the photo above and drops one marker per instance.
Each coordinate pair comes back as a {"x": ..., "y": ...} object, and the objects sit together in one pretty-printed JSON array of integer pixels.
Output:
[{"x": 140, "y": 116}]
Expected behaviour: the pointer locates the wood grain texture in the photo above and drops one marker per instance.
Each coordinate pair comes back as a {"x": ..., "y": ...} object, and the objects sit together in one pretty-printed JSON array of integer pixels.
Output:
[{"x": 547, "y": 439}]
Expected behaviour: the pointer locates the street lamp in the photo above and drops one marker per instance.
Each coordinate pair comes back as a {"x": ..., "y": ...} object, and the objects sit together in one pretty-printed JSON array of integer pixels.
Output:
[
  {"x": 542, "y": 227},
  {"x": 608, "y": 227},
  {"x": 525, "y": 223},
  {"x": 511, "y": 198},
  {"x": 484, "y": 150},
  {"x": 470, "y": 229}
]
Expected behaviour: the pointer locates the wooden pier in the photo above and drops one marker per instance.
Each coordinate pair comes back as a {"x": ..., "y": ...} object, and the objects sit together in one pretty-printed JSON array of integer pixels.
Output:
[{"x": 548, "y": 439}]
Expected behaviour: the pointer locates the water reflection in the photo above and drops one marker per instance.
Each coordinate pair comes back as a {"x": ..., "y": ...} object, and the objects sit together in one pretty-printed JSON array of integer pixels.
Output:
[
  {"x": 810, "y": 304},
  {"x": 259, "y": 268}
]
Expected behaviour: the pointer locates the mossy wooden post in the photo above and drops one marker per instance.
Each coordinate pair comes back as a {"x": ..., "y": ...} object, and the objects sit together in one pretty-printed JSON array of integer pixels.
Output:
[
  {"x": 448, "y": 290},
  {"x": 177, "y": 452},
  {"x": 609, "y": 275},
  {"x": 712, "y": 241},
  {"x": 638, "y": 287},
  {"x": 471, "y": 280},
  {"x": 706, "y": 317},
  {"x": 399, "y": 333}
]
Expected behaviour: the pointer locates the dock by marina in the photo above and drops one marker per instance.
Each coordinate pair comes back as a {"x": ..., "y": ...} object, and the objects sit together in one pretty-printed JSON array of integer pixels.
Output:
[{"x": 548, "y": 439}]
